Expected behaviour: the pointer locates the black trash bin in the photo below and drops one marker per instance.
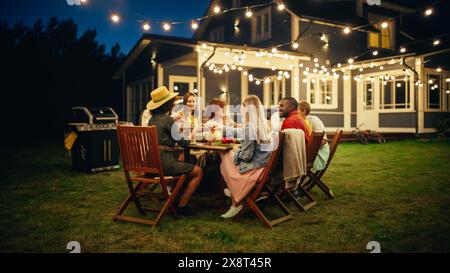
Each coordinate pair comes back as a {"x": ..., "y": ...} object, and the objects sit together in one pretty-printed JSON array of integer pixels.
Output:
[{"x": 95, "y": 148}]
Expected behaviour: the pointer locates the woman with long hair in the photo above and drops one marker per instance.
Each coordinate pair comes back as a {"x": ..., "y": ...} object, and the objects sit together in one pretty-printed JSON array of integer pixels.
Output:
[{"x": 242, "y": 168}]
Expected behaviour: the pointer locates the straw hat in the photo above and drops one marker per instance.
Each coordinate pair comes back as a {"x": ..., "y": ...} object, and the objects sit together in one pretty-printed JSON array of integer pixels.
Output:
[{"x": 160, "y": 96}]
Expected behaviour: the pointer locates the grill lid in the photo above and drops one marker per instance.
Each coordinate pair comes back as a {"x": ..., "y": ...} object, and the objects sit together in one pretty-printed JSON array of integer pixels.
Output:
[{"x": 94, "y": 115}]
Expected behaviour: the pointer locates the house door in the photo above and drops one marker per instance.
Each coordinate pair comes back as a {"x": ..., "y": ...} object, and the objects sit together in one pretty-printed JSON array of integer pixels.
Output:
[
  {"x": 368, "y": 104},
  {"x": 274, "y": 91}
]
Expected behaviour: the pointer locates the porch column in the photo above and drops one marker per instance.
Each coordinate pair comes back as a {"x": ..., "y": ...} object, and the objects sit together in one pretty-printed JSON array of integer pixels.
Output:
[
  {"x": 201, "y": 86},
  {"x": 244, "y": 86},
  {"x": 160, "y": 75},
  {"x": 420, "y": 93},
  {"x": 295, "y": 81},
  {"x": 347, "y": 93}
]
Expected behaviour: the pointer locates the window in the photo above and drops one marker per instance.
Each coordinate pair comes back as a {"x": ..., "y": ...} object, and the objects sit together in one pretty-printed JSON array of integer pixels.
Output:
[
  {"x": 138, "y": 94},
  {"x": 261, "y": 25},
  {"x": 434, "y": 91},
  {"x": 182, "y": 84},
  {"x": 447, "y": 91},
  {"x": 322, "y": 91},
  {"x": 274, "y": 91},
  {"x": 217, "y": 35},
  {"x": 368, "y": 95},
  {"x": 236, "y": 4},
  {"x": 384, "y": 38},
  {"x": 395, "y": 93}
]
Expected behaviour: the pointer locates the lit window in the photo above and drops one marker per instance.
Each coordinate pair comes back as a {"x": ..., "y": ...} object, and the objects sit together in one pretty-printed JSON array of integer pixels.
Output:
[
  {"x": 384, "y": 38},
  {"x": 368, "y": 95},
  {"x": 395, "y": 93},
  {"x": 434, "y": 91},
  {"x": 322, "y": 91}
]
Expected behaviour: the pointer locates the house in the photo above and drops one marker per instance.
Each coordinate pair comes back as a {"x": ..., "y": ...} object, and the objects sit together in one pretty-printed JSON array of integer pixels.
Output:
[{"x": 353, "y": 62}]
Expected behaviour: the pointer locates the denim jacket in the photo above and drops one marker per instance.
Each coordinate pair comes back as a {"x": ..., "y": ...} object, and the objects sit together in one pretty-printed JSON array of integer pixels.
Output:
[{"x": 249, "y": 156}]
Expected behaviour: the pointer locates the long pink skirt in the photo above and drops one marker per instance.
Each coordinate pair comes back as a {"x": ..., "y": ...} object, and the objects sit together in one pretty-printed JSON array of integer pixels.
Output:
[{"x": 238, "y": 184}]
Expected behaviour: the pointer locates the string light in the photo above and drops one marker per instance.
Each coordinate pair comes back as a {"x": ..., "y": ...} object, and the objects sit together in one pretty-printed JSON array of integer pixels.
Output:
[
  {"x": 281, "y": 6},
  {"x": 166, "y": 26},
  {"x": 146, "y": 26},
  {"x": 248, "y": 13},
  {"x": 194, "y": 25},
  {"x": 375, "y": 53},
  {"x": 384, "y": 24},
  {"x": 115, "y": 18},
  {"x": 402, "y": 50},
  {"x": 216, "y": 9},
  {"x": 428, "y": 12},
  {"x": 347, "y": 30},
  {"x": 436, "y": 42},
  {"x": 350, "y": 61},
  {"x": 274, "y": 50},
  {"x": 295, "y": 45},
  {"x": 438, "y": 69}
]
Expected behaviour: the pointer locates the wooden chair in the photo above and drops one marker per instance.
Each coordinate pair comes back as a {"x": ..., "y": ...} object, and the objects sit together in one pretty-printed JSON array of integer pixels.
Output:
[
  {"x": 262, "y": 183},
  {"x": 139, "y": 151},
  {"x": 317, "y": 181},
  {"x": 312, "y": 149}
]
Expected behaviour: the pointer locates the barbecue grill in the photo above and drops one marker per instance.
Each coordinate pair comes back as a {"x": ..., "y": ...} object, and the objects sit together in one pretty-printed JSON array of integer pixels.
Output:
[{"x": 95, "y": 148}]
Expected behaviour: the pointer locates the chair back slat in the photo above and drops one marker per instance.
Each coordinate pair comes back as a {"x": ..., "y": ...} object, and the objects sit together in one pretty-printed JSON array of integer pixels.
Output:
[
  {"x": 270, "y": 167},
  {"x": 333, "y": 147},
  {"x": 313, "y": 147},
  {"x": 139, "y": 149}
]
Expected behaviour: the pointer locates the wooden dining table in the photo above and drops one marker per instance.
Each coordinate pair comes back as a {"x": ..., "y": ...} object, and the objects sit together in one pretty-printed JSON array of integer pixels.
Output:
[{"x": 206, "y": 147}]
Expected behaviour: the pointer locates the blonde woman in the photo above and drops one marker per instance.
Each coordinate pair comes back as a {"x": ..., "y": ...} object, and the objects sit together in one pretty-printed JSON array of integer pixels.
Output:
[{"x": 242, "y": 168}]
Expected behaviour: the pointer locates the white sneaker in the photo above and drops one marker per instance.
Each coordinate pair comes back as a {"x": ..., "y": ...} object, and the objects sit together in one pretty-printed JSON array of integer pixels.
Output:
[
  {"x": 233, "y": 211},
  {"x": 227, "y": 192}
]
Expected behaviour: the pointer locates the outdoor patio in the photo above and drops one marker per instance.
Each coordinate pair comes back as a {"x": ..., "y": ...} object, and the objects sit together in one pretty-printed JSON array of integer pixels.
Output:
[{"x": 397, "y": 194}]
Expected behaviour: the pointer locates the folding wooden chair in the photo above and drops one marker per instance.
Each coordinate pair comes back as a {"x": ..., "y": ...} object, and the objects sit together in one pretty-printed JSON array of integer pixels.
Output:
[
  {"x": 317, "y": 181},
  {"x": 140, "y": 154},
  {"x": 266, "y": 176},
  {"x": 312, "y": 149}
]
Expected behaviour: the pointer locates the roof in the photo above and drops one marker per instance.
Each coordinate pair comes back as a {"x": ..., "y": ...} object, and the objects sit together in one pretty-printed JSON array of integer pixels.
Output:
[
  {"x": 156, "y": 41},
  {"x": 332, "y": 11}
]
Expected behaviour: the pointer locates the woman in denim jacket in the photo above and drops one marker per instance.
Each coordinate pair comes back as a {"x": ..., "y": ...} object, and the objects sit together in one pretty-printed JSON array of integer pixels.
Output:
[{"x": 242, "y": 169}]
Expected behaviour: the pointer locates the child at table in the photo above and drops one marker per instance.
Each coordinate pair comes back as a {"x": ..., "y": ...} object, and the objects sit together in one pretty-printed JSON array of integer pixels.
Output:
[{"x": 242, "y": 168}]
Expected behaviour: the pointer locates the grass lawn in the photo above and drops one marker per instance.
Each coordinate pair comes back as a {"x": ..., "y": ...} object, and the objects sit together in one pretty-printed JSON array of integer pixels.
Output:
[{"x": 397, "y": 193}]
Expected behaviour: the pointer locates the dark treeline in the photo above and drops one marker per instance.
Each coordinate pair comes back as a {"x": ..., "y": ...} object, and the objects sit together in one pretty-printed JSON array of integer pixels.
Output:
[{"x": 46, "y": 69}]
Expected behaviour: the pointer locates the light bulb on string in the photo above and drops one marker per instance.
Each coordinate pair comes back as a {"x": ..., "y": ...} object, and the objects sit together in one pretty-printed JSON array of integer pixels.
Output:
[
  {"x": 166, "y": 26},
  {"x": 402, "y": 50},
  {"x": 146, "y": 26},
  {"x": 194, "y": 25},
  {"x": 295, "y": 45},
  {"x": 216, "y": 9},
  {"x": 281, "y": 6},
  {"x": 248, "y": 13},
  {"x": 384, "y": 24},
  {"x": 436, "y": 42},
  {"x": 428, "y": 11},
  {"x": 115, "y": 18},
  {"x": 347, "y": 30}
]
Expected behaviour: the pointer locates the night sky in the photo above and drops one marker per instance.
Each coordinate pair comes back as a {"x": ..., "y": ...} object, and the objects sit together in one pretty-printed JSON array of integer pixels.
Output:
[{"x": 96, "y": 14}]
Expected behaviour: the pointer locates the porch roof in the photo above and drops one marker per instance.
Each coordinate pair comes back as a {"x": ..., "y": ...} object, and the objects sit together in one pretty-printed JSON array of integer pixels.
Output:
[{"x": 163, "y": 48}]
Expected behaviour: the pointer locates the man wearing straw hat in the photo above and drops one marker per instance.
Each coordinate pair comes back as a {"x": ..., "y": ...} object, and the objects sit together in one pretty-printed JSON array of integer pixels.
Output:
[{"x": 160, "y": 107}]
